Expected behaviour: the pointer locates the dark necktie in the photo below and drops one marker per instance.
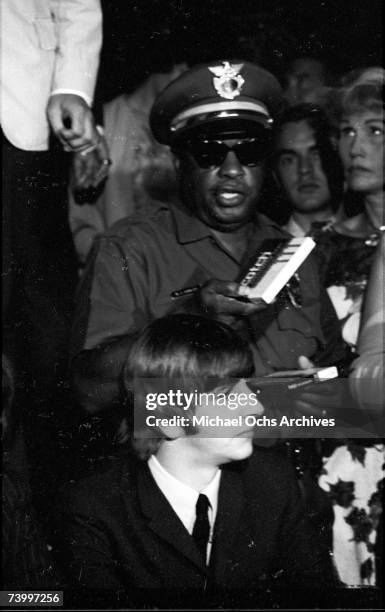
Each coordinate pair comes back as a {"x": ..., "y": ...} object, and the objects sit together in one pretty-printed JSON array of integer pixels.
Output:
[{"x": 201, "y": 529}]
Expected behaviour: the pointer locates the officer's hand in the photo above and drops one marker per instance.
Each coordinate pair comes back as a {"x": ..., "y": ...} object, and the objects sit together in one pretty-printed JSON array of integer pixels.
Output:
[
  {"x": 72, "y": 121},
  {"x": 220, "y": 299},
  {"x": 317, "y": 399}
]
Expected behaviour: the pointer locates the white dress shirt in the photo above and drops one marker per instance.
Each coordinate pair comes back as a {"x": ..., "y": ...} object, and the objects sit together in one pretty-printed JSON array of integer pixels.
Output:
[
  {"x": 183, "y": 498},
  {"x": 294, "y": 227}
]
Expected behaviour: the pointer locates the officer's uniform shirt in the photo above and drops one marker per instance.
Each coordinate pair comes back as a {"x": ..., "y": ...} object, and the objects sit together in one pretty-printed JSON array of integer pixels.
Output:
[{"x": 140, "y": 262}]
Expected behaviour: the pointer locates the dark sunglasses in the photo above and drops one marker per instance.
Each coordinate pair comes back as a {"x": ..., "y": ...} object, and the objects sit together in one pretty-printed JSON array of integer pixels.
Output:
[{"x": 250, "y": 152}]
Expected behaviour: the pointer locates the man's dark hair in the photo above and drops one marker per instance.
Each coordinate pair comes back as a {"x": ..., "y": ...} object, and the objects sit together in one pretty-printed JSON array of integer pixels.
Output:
[{"x": 326, "y": 138}]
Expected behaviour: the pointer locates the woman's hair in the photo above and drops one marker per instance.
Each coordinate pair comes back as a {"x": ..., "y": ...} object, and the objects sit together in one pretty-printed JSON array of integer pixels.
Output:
[
  {"x": 185, "y": 353},
  {"x": 363, "y": 90}
]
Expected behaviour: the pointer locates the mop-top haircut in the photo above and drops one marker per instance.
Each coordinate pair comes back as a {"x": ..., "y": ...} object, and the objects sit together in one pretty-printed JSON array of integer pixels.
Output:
[{"x": 186, "y": 352}]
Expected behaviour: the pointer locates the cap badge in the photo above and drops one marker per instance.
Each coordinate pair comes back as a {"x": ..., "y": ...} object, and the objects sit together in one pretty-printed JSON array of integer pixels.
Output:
[{"x": 227, "y": 81}]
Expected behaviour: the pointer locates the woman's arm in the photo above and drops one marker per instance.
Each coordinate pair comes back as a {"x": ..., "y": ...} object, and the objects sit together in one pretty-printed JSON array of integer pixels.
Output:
[{"x": 367, "y": 374}]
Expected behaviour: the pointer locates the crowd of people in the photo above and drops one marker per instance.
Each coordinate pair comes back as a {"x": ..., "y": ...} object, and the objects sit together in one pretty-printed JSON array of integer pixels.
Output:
[{"x": 124, "y": 247}]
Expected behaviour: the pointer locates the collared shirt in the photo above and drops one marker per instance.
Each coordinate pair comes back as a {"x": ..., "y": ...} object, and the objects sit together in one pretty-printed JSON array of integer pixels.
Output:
[
  {"x": 294, "y": 228},
  {"x": 139, "y": 262},
  {"x": 183, "y": 498}
]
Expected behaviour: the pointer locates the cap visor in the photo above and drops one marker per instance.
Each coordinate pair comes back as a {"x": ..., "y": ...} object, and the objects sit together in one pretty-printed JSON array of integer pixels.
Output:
[{"x": 220, "y": 128}]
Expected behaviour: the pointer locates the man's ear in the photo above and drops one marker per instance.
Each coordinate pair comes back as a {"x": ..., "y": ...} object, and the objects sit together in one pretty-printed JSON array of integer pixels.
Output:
[{"x": 172, "y": 432}]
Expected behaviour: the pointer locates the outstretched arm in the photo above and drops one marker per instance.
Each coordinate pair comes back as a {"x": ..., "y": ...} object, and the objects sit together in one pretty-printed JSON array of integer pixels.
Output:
[{"x": 367, "y": 375}]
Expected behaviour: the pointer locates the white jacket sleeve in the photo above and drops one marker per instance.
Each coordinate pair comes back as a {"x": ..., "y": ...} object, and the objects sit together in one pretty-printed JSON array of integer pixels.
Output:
[{"x": 78, "y": 26}]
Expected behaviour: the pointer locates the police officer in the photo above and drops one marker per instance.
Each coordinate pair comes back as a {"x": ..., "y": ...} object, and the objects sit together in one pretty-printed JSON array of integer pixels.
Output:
[{"x": 217, "y": 119}]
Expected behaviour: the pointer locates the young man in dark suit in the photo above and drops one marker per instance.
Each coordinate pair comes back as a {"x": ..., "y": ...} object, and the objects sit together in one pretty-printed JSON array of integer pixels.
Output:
[{"x": 199, "y": 517}]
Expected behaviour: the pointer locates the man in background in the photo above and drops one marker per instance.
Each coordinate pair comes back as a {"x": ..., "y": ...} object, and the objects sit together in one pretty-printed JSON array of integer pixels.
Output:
[
  {"x": 307, "y": 168},
  {"x": 306, "y": 79}
]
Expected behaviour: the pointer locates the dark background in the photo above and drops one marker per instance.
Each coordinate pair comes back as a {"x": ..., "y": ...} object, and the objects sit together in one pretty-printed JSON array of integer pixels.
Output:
[{"x": 142, "y": 36}]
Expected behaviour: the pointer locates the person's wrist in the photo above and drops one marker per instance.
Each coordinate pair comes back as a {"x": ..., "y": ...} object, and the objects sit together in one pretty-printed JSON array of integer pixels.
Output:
[{"x": 79, "y": 95}]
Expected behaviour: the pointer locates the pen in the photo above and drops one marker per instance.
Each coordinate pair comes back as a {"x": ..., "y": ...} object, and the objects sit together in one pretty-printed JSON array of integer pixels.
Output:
[
  {"x": 297, "y": 373},
  {"x": 185, "y": 291},
  {"x": 303, "y": 383}
]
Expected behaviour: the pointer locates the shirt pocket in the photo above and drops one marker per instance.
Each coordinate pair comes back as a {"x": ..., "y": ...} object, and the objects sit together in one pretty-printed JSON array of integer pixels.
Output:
[{"x": 46, "y": 33}]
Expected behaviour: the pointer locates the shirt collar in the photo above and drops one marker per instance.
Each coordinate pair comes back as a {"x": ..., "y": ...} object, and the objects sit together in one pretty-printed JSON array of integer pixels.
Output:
[
  {"x": 295, "y": 229},
  {"x": 188, "y": 227},
  {"x": 183, "y": 498},
  {"x": 191, "y": 229}
]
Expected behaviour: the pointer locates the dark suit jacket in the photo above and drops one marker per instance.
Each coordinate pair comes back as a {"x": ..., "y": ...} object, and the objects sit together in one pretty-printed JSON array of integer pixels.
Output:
[{"x": 117, "y": 531}]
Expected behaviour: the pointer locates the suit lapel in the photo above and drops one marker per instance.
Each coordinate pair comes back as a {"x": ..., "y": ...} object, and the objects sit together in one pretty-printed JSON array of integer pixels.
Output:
[{"x": 163, "y": 520}]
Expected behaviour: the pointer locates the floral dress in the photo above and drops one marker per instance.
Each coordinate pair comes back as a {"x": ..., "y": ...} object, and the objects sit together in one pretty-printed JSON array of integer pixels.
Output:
[{"x": 353, "y": 471}]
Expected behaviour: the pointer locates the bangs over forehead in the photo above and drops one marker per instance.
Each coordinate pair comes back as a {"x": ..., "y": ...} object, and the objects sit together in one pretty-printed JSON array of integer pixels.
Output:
[
  {"x": 363, "y": 97},
  {"x": 191, "y": 349},
  {"x": 179, "y": 353}
]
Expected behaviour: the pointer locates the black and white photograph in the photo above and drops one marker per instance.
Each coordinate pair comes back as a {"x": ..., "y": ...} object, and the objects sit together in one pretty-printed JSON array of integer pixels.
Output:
[{"x": 193, "y": 266}]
